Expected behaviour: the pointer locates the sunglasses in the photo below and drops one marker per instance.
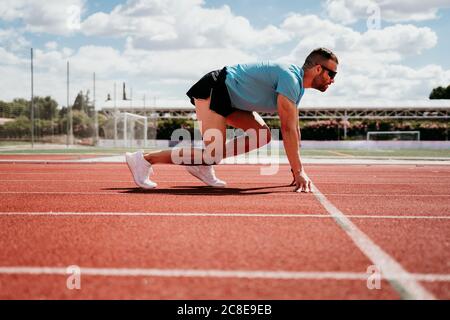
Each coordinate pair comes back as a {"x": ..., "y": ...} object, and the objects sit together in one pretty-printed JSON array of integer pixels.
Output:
[{"x": 331, "y": 73}]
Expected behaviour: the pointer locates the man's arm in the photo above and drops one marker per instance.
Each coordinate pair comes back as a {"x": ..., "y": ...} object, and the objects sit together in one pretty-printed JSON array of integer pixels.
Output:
[
  {"x": 300, "y": 144},
  {"x": 290, "y": 130},
  {"x": 298, "y": 130},
  {"x": 291, "y": 139}
]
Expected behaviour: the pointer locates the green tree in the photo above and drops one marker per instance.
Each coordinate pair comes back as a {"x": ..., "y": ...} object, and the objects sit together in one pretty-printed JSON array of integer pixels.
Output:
[
  {"x": 81, "y": 102},
  {"x": 18, "y": 108},
  {"x": 46, "y": 107},
  {"x": 440, "y": 93},
  {"x": 18, "y": 128},
  {"x": 4, "y": 109},
  {"x": 83, "y": 126}
]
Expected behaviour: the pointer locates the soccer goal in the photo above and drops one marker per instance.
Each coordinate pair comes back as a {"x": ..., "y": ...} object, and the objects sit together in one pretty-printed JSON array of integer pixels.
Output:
[
  {"x": 394, "y": 135},
  {"x": 128, "y": 130}
]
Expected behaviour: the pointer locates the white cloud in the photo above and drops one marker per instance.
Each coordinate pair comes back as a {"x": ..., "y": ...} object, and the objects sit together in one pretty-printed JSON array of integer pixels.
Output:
[
  {"x": 370, "y": 62},
  {"x": 51, "y": 45},
  {"x": 349, "y": 11},
  {"x": 386, "y": 45},
  {"x": 404, "y": 39},
  {"x": 50, "y": 16},
  {"x": 166, "y": 74},
  {"x": 9, "y": 58},
  {"x": 13, "y": 40},
  {"x": 180, "y": 24},
  {"x": 168, "y": 45}
]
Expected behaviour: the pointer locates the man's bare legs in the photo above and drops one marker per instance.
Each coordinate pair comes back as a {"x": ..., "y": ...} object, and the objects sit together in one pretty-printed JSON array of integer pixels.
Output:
[
  {"x": 213, "y": 122},
  {"x": 209, "y": 120}
]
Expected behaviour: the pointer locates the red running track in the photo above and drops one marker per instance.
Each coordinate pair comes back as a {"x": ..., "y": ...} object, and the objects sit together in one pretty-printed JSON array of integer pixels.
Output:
[{"x": 256, "y": 224}]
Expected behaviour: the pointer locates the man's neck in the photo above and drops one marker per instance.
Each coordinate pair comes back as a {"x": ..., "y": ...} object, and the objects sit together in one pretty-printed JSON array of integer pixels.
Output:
[{"x": 307, "y": 79}]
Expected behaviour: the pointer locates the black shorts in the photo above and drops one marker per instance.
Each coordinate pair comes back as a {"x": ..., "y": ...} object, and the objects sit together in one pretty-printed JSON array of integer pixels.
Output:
[{"x": 213, "y": 85}]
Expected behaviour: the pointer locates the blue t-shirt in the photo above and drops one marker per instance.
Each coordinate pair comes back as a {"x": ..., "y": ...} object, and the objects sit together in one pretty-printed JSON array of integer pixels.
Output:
[{"x": 255, "y": 87}]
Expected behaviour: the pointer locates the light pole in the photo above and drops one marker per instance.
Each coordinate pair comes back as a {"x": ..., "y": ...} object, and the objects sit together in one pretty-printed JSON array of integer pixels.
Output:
[
  {"x": 69, "y": 113},
  {"x": 95, "y": 117},
  {"x": 32, "y": 102}
]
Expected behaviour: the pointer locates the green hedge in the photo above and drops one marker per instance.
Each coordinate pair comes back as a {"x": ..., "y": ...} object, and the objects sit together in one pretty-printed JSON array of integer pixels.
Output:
[
  {"x": 334, "y": 129},
  {"x": 310, "y": 130}
]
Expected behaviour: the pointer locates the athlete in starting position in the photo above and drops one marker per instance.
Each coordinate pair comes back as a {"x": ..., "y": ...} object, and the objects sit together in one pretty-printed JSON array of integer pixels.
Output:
[{"x": 233, "y": 96}]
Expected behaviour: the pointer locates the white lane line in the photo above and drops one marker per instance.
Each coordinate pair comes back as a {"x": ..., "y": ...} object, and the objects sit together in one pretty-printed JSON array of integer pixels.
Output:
[
  {"x": 76, "y": 180},
  {"x": 215, "y": 273},
  {"x": 400, "y": 279},
  {"x": 386, "y": 195},
  {"x": 178, "y": 191},
  {"x": 200, "y": 214}
]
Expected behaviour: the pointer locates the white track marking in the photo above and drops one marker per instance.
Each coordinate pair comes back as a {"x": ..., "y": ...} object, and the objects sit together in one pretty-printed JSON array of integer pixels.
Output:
[
  {"x": 441, "y": 161},
  {"x": 216, "y": 273},
  {"x": 232, "y": 215},
  {"x": 386, "y": 195},
  {"x": 401, "y": 280}
]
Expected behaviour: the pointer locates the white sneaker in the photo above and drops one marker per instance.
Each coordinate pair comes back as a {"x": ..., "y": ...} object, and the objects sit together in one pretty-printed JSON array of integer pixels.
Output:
[
  {"x": 140, "y": 169},
  {"x": 207, "y": 175}
]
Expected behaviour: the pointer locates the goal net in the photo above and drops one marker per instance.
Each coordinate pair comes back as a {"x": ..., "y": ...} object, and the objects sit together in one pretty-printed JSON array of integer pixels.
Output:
[
  {"x": 128, "y": 130},
  {"x": 394, "y": 135}
]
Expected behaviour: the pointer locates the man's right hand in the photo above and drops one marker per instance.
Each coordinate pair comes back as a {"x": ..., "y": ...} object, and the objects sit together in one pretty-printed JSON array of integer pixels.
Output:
[{"x": 301, "y": 181}]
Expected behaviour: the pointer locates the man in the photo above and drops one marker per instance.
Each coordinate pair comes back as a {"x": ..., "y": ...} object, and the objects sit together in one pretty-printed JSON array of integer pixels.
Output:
[{"x": 233, "y": 96}]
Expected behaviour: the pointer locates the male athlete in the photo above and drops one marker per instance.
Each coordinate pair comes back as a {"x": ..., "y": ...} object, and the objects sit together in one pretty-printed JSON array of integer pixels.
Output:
[{"x": 233, "y": 96}]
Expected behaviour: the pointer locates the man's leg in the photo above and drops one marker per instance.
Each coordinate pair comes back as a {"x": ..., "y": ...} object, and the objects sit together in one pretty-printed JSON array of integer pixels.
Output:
[
  {"x": 244, "y": 120},
  {"x": 213, "y": 129},
  {"x": 257, "y": 132},
  {"x": 211, "y": 125}
]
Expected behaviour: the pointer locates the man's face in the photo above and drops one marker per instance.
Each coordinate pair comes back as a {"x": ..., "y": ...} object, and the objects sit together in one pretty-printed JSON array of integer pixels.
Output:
[{"x": 323, "y": 79}]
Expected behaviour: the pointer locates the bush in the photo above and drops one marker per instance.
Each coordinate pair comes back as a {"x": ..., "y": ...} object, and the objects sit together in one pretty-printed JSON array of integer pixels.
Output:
[
  {"x": 333, "y": 129},
  {"x": 167, "y": 126},
  {"x": 83, "y": 125},
  {"x": 19, "y": 128}
]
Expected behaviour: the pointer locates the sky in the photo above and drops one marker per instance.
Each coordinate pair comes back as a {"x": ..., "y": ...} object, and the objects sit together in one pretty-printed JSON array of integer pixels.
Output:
[{"x": 388, "y": 50}]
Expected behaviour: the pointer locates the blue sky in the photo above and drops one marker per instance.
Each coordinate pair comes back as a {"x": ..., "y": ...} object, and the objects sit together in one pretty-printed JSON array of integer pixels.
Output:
[
  {"x": 261, "y": 13},
  {"x": 161, "y": 47}
]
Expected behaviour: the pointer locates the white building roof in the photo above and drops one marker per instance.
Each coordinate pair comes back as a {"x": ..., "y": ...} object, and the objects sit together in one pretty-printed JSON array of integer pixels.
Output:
[{"x": 334, "y": 104}]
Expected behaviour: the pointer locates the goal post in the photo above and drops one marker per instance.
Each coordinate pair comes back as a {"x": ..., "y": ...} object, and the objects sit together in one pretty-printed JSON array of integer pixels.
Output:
[
  {"x": 393, "y": 135},
  {"x": 129, "y": 130},
  {"x": 134, "y": 128}
]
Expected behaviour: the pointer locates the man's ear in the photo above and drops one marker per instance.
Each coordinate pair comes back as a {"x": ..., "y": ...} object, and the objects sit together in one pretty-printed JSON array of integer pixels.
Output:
[{"x": 318, "y": 68}]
